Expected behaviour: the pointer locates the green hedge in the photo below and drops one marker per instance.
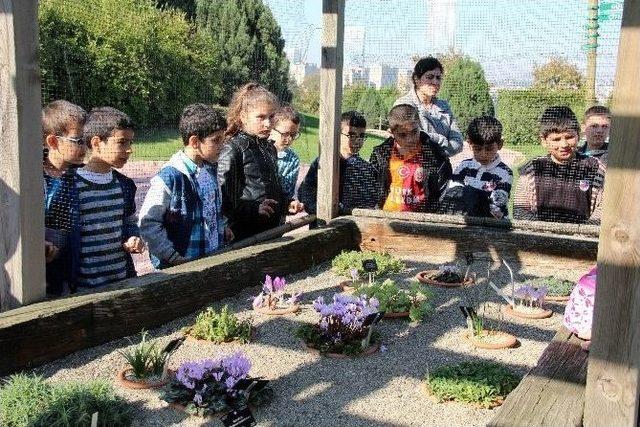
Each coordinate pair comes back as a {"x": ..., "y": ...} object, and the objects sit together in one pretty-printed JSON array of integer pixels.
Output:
[
  {"x": 127, "y": 54},
  {"x": 519, "y": 111}
]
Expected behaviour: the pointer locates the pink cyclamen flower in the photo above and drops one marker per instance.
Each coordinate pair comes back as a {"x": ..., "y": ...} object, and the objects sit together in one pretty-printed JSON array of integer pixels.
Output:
[
  {"x": 279, "y": 283},
  {"x": 267, "y": 287},
  {"x": 258, "y": 301}
]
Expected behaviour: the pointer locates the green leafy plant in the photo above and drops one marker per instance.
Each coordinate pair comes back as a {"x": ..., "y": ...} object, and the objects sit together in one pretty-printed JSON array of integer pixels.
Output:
[
  {"x": 220, "y": 327},
  {"x": 555, "y": 287},
  {"x": 483, "y": 383},
  {"x": 347, "y": 260},
  {"x": 145, "y": 359},
  {"x": 27, "y": 400},
  {"x": 392, "y": 299}
]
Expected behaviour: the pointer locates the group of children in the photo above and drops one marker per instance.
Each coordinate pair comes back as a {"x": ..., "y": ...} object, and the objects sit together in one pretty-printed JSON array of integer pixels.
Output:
[{"x": 235, "y": 176}]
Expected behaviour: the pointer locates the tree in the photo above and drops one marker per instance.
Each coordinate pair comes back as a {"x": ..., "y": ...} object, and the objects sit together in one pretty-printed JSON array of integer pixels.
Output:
[
  {"x": 373, "y": 108},
  {"x": 467, "y": 90},
  {"x": 186, "y": 6},
  {"x": 250, "y": 42},
  {"x": 351, "y": 96},
  {"x": 557, "y": 74},
  {"x": 308, "y": 97}
]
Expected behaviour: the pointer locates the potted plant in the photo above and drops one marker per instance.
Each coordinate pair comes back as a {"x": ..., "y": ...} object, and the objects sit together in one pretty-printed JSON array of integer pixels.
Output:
[
  {"x": 395, "y": 302},
  {"x": 446, "y": 276},
  {"x": 217, "y": 328},
  {"x": 482, "y": 384},
  {"x": 210, "y": 387},
  {"x": 145, "y": 365},
  {"x": 528, "y": 302},
  {"x": 558, "y": 290},
  {"x": 272, "y": 300},
  {"x": 345, "y": 327},
  {"x": 481, "y": 334},
  {"x": 344, "y": 263}
]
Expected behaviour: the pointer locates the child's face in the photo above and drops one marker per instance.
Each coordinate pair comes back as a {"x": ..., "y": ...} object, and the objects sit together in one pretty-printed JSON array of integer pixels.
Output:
[
  {"x": 209, "y": 148},
  {"x": 256, "y": 120},
  {"x": 115, "y": 149},
  {"x": 283, "y": 134},
  {"x": 69, "y": 147},
  {"x": 406, "y": 135},
  {"x": 561, "y": 145},
  {"x": 351, "y": 139},
  {"x": 484, "y": 154},
  {"x": 429, "y": 83},
  {"x": 596, "y": 130}
]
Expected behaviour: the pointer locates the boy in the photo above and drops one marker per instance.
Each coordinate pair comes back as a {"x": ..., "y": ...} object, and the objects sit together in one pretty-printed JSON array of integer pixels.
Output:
[
  {"x": 597, "y": 122},
  {"x": 286, "y": 126},
  {"x": 180, "y": 218},
  {"x": 412, "y": 170},
  {"x": 99, "y": 205},
  {"x": 62, "y": 125},
  {"x": 480, "y": 186},
  {"x": 565, "y": 186},
  {"x": 357, "y": 177}
]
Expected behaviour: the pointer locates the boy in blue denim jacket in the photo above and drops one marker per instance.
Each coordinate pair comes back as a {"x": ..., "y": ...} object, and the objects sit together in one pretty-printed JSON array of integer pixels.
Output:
[{"x": 181, "y": 216}]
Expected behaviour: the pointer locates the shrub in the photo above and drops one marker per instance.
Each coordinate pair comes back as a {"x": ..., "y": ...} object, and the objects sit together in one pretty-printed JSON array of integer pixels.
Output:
[
  {"x": 27, "y": 400},
  {"x": 220, "y": 327},
  {"x": 482, "y": 383},
  {"x": 145, "y": 359},
  {"x": 519, "y": 111},
  {"x": 347, "y": 260},
  {"x": 555, "y": 287},
  {"x": 392, "y": 299}
]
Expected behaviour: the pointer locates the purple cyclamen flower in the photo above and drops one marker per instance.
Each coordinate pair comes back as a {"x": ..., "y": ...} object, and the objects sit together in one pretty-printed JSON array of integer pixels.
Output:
[
  {"x": 267, "y": 287},
  {"x": 354, "y": 274},
  {"x": 258, "y": 301},
  {"x": 217, "y": 376},
  {"x": 279, "y": 283},
  {"x": 197, "y": 399},
  {"x": 230, "y": 382},
  {"x": 318, "y": 303},
  {"x": 295, "y": 298},
  {"x": 237, "y": 365}
]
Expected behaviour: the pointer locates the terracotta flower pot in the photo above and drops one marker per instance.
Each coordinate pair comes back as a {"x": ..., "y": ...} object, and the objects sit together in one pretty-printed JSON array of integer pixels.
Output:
[
  {"x": 397, "y": 315},
  {"x": 492, "y": 340},
  {"x": 366, "y": 352},
  {"x": 123, "y": 381},
  {"x": 538, "y": 314},
  {"x": 278, "y": 311},
  {"x": 557, "y": 298},
  {"x": 252, "y": 337},
  {"x": 426, "y": 277}
]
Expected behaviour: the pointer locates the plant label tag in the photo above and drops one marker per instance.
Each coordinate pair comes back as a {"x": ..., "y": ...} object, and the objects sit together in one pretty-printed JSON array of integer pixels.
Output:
[
  {"x": 372, "y": 319},
  {"x": 251, "y": 384},
  {"x": 468, "y": 312},
  {"x": 241, "y": 417},
  {"x": 370, "y": 265}
]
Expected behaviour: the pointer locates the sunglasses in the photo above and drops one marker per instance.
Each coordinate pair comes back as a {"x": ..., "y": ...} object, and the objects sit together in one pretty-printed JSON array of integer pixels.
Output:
[{"x": 75, "y": 140}]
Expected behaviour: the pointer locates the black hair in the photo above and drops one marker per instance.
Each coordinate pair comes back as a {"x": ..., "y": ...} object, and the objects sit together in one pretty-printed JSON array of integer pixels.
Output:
[
  {"x": 200, "y": 120},
  {"x": 425, "y": 64},
  {"x": 353, "y": 118},
  {"x": 103, "y": 121},
  {"x": 597, "y": 110},
  {"x": 484, "y": 130},
  {"x": 403, "y": 113},
  {"x": 558, "y": 119}
]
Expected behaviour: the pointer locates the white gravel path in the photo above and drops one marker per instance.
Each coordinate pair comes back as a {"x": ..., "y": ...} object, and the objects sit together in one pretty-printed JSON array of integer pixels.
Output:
[{"x": 385, "y": 389}]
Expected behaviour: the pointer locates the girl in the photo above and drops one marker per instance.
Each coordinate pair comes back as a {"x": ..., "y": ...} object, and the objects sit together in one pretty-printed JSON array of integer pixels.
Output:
[
  {"x": 252, "y": 196},
  {"x": 436, "y": 118},
  {"x": 286, "y": 125}
]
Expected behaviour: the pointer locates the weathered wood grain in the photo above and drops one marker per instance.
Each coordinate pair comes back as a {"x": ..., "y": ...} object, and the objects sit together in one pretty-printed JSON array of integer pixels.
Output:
[{"x": 552, "y": 394}]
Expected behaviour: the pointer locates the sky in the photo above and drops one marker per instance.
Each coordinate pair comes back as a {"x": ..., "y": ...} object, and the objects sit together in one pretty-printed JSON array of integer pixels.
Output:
[{"x": 508, "y": 37}]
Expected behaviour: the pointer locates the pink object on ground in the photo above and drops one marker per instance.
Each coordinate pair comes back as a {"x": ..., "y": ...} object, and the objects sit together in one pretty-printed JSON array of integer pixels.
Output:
[{"x": 578, "y": 315}]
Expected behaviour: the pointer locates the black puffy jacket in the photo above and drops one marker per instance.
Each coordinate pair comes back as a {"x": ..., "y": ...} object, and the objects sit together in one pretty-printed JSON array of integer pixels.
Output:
[{"x": 248, "y": 174}]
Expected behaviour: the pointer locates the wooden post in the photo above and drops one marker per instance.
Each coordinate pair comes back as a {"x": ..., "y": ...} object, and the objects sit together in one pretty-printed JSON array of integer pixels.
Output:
[
  {"x": 22, "y": 278},
  {"x": 613, "y": 380},
  {"x": 330, "y": 106},
  {"x": 592, "y": 52}
]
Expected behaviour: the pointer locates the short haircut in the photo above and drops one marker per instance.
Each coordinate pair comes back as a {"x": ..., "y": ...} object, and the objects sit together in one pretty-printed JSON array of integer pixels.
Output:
[
  {"x": 425, "y": 64},
  {"x": 286, "y": 112},
  {"x": 58, "y": 116},
  {"x": 597, "y": 110},
  {"x": 558, "y": 119},
  {"x": 403, "y": 113},
  {"x": 353, "y": 118},
  {"x": 484, "y": 130},
  {"x": 103, "y": 121},
  {"x": 200, "y": 120}
]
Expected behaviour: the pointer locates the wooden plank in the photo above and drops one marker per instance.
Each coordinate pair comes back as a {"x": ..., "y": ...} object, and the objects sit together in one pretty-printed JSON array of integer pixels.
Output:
[
  {"x": 22, "y": 277},
  {"x": 330, "y": 106},
  {"x": 46, "y": 331},
  {"x": 613, "y": 380},
  {"x": 552, "y": 393},
  {"x": 451, "y": 241}
]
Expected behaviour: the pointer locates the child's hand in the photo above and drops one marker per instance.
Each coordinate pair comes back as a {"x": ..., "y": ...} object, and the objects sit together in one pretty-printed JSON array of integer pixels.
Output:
[
  {"x": 228, "y": 235},
  {"x": 295, "y": 207},
  {"x": 134, "y": 245},
  {"x": 50, "y": 251},
  {"x": 267, "y": 207}
]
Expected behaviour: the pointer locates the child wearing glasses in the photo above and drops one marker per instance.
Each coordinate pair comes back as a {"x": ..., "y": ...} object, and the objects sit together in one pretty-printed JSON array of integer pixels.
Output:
[
  {"x": 181, "y": 216},
  {"x": 286, "y": 126},
  {"x": 565, "y": 185},
  {"x": 98, "y": 205},
  {"x": 357, "y": 178},
  {"x": 480, "y": 186},
  {"x": 64, "y": 148}
]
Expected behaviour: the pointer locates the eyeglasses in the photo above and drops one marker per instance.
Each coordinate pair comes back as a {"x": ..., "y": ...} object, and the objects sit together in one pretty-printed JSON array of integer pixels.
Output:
[
  {"x": 292, "y": 136},
  {"x": 355, "y": 136},
  {"x": 76, "y": 140}
]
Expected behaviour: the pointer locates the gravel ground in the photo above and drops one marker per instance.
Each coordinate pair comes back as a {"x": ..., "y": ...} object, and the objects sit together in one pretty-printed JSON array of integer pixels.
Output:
[{"x": 383, "y": 389}]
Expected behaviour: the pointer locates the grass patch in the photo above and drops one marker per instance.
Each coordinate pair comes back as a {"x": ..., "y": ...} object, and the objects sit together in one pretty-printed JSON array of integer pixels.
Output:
[
  {"x": 481, "y": 383},
  {"x": 219, "y": 327},
  {"x": 347, "y": 260}
]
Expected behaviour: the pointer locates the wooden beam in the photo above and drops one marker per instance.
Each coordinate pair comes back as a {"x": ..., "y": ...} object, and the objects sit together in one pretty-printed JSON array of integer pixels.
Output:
[
  {"x": 613, "y": 380},
  {"x": 22, "y": 278},
  {"x": 330, "y": 106}
]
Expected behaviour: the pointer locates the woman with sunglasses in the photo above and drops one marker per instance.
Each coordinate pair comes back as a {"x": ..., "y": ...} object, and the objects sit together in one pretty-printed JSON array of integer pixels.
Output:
[{"x": 436, "y": 118}]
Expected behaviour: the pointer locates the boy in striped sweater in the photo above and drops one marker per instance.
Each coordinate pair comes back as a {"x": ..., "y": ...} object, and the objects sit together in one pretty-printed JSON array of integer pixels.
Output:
[{"x": 480, "y": 186}]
